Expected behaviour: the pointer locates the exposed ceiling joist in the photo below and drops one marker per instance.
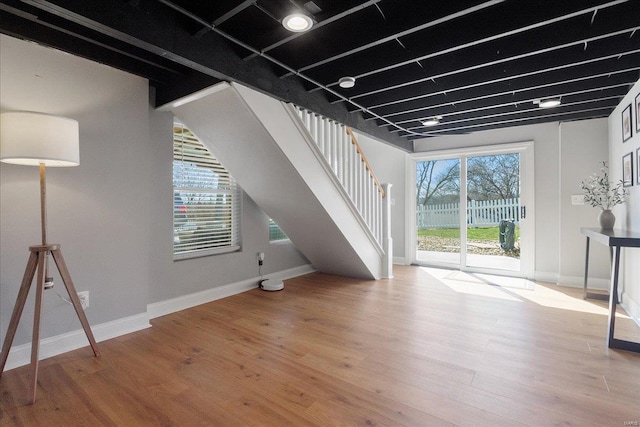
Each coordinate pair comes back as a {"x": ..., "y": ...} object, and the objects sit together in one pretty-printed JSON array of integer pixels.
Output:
[
  {"x": 476, "y": 64},
  {"x": 616, "y": 56},
  {"x": 620, "y": 89},
  {"x": 477, "y": 42},
  {"x": 543, "y": 66},
  {"x": 513, "y": 91},
  {"x": 397, "y": 36},
  {"x": 609, "y": 101}
]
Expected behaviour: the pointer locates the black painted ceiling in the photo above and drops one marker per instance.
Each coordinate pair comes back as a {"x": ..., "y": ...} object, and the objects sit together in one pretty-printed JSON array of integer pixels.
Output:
[{"x": 478, "y": 64}]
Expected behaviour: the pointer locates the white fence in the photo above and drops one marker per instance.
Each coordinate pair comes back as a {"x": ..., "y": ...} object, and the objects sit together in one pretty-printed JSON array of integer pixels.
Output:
[{"x": 480, "y": 213}]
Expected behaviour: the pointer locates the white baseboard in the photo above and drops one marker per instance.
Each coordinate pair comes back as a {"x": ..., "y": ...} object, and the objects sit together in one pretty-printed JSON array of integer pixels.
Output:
[
  {"x": 400, "y": 260},
  {"x": 21, "y": 354},
  {"x": 183, "y": 302},
  {"x": 544, "y": 276},
  {"x": 571, "y": 281},
  {"x": 578, "y": 282},
  {"x": 169, "y": 306},
  {"x": 631, "y": 307}
]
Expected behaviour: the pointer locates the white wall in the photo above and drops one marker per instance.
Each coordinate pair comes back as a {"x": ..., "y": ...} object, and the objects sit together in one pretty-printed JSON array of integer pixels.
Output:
[
  {"x": 557, "y": 226},
  {"x": 111, "y": 214},
  {"x": 97, "y": 211},
  {"x": 627, "y": 215},
  {"x": 583, "y": 148}
]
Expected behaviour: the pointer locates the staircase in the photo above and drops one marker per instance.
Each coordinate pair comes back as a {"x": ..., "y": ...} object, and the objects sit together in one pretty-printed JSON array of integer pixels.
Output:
[{"x": 305, "y": 171}]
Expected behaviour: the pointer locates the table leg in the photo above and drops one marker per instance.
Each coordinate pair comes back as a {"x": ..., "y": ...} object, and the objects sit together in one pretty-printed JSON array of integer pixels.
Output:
[
  {"x": 613, "y": 342},
  {"x": 585, "y": 293},
  {"x": 613, "y": 299},
  {"x": 586, "y": 270}
]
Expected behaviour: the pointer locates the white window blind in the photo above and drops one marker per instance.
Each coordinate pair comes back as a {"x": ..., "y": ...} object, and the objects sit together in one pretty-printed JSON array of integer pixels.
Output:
[
  {"x": 275, "y": 233},
  {"x": 206, "y": 200}
]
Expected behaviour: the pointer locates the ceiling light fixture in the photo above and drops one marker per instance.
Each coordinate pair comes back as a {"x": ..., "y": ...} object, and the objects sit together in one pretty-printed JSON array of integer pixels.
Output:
[
  {"x": 431, "y": 121},
  {"x": 347, "y": 82},
  {"x": 297, "y": 22},
  {"x": 548, "y": 103}
]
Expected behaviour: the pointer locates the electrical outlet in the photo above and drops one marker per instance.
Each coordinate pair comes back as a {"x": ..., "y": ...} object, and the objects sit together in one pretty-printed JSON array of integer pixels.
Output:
[{"x": 84, "y": 299}]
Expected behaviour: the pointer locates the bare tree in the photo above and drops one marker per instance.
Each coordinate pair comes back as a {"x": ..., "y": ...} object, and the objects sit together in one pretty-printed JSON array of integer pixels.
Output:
[
  {"x": 493, "y": 177},
  {"x": 431, "y": 182}
]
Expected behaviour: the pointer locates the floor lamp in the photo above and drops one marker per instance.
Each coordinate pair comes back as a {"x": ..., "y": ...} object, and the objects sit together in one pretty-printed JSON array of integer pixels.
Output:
[{"x": 36, "y": 139}]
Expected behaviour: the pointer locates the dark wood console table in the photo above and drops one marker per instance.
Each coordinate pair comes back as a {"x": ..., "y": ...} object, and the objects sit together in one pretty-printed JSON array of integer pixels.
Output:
[{"x": 615, "y": 240}]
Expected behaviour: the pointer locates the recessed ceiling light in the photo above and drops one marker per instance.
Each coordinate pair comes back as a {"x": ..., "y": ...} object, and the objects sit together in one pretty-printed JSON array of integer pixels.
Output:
[
  {"x": 347, "y": 82},
  {"x": 549, "y": 103},
  {"x": 431, "y": 121},
  {"x": 297, "y": 22}
]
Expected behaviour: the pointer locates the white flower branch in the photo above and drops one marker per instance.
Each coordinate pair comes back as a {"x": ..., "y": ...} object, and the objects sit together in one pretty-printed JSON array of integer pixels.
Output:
[{"x": 601, "y": 193}]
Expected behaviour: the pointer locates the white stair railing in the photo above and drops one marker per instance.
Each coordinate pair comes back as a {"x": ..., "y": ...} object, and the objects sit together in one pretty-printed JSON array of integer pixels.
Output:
[{"x": 344, "y": 156}]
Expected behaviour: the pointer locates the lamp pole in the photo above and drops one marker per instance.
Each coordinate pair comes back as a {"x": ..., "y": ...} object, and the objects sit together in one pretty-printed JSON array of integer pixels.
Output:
[{"x": 43, "y": 202}]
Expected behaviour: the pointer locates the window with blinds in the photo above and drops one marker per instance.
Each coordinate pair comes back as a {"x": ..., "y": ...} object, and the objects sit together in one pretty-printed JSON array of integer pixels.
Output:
[
  {"x": 206, "y": 200},
  {"x": 275, "y": 233}
]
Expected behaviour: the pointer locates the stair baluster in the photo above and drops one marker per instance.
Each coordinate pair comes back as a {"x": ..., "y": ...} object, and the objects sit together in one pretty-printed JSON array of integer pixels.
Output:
[{"x": 344, "y": 156}]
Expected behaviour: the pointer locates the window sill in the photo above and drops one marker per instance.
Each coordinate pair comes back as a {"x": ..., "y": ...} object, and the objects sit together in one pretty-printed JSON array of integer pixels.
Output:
[
  {"x": 280, "y": 242},
  {"x": 205, "y": 252}
]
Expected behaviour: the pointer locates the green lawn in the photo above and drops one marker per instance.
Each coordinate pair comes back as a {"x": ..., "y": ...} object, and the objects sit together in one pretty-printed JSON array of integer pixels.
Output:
[{"x": 475, "y": 233}]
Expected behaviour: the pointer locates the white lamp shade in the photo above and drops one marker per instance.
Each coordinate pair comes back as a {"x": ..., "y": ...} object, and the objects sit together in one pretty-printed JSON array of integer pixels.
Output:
[{"x": 29, "y": 138}]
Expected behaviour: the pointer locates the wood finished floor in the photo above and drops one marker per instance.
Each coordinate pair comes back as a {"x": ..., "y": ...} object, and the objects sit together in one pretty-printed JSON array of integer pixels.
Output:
[{"x": 416, "y": 350}]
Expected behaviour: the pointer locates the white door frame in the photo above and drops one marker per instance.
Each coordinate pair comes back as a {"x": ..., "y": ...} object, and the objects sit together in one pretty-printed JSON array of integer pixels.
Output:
[{"x": 527, "y": 187}]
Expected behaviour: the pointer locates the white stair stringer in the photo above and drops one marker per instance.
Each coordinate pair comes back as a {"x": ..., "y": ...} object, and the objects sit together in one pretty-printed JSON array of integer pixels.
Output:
[{"x": 268, "y": 152}]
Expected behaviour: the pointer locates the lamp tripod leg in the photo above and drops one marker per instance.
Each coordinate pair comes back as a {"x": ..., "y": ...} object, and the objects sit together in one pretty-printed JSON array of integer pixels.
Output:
[
  {"x": 29, "y": 272},
  {"x": 37, "y": 261},
  {"x": 73, "y": 295},
  {"x": 35, "y": 341}
]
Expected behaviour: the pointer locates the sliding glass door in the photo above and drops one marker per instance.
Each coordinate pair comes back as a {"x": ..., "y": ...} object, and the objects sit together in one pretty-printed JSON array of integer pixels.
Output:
[
  {"x": 438, "y": 210},
  {"x": 470, "y": 209},
  {"x": 493, "y": 211}
]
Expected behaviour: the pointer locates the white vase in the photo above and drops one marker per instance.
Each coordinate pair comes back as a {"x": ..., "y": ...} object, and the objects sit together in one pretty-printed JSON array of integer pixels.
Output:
[{"x": 606, "y": 219}]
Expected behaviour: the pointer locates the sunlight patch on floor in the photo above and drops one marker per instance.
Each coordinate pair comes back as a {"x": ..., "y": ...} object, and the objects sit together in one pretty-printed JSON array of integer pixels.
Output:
[
  {"x": 552, "y": 298},
  {"x": 490, "y": 279},
  {"x": 514, "y": 289},
  {"x": 479, "y": 290},
  {"x": 473, "y": 284}
]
